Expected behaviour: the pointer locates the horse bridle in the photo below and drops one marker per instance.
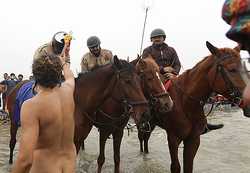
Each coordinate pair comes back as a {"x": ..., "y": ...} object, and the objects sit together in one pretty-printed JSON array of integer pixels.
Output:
[
  {"x": 231, "y": 89},
  {"x": 128, "y": 105},
  {"x": 153, "y": 98}
]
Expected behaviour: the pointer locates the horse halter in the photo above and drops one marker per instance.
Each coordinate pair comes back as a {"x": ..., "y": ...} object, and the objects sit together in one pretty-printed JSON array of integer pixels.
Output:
[
  {"x": 127, "y": 105},
  {"x": 231, "y": 89},
  {"x": 152, "y": 97},
  {"x": 122, "y": 74}
]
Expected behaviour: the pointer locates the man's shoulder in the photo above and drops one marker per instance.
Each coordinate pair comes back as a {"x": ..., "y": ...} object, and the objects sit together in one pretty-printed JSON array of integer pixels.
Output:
[
  {"x": 30, "y": 103},
  {"x": 86, "y": 56},
  {"x": 44, "y": 47},
  {"x": 148, "y": 48},
  {"x": 106, "y": 53},
  {"x": 147, "y": 51},
  {"x": 43, "y": 50},
  {"x": 169, "y": 47}
]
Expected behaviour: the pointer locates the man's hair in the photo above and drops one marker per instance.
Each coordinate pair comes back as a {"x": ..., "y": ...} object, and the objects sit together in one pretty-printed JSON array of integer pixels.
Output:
[
  {"x": 47, "y": 71},
  {"x": 20, "y": 75},
  {"x": 12, "y": 74}
]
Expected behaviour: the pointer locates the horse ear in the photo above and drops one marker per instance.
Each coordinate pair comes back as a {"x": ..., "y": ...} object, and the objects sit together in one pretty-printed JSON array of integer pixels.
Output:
[
  {"x": 142, "y": 63},
  {"x": 138, "y": 56},
  {"x": 117, "y": 62},
  {"x": 214, "y": 50},
  {"x": 238, "y": 48},
  {"x": 128, "y": 59}
]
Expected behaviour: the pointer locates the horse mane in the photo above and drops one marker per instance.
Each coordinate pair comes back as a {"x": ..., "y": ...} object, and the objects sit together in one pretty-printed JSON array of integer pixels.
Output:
[
  {"x": 151, "y": 60},
  {"x": 227, "y": 52},
  {"x": 18, "y": 85},
  {"x": 124, "y": 65}
]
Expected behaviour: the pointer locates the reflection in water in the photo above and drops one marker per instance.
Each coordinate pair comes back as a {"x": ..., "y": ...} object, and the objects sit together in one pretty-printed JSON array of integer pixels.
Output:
[{"x": 226, "y": 150}]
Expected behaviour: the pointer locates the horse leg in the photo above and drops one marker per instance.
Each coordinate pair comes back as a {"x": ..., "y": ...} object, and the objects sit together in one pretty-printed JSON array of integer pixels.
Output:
[
  {"x": 190, "y": 149},
  {"x": 102, "y": 141},
  {"x": 82, "y": 129},
  {"x": 140, "y": 137},
  {"x": 173, "y": 144},
  {"x": 81, "y": 132},
  {"x": 146, "y": 138},
  {"x": 117, "y": 139},
  {"x": 13, "y": 132},
  {"x": 83, "y": 146}
]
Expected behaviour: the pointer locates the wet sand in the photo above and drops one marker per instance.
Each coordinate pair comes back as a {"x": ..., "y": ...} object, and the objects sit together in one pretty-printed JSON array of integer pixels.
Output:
[{"x": 222, "y": 151}]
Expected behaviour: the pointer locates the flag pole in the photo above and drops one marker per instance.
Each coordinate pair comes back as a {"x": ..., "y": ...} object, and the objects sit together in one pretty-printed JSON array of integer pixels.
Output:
[{"x": 143, "y": 31}]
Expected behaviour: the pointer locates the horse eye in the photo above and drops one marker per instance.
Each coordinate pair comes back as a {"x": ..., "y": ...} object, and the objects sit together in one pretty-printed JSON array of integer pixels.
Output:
[
  {"x": 127, "y": 80},
  {"x": 233, "y": 70}
]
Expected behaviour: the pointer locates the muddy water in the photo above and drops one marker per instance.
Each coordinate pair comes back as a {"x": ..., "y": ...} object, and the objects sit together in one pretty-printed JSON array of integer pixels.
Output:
[{"x": 222, "y": 151}]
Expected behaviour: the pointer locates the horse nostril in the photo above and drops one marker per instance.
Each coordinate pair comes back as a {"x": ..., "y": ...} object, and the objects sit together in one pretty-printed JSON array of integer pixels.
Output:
[{"x": 154, "y": 100}]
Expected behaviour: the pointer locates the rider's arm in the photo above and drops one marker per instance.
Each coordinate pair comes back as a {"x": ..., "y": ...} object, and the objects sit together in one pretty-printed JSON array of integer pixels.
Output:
[
  {"x": 84, "y": 64},
  {"x": 176, "y": 62},
  {"x": 29, "y": 137},
  {"x": 146, "y": 52},
  {"x": 67, "y": 72},
  {"x": 109, "y": 55}
]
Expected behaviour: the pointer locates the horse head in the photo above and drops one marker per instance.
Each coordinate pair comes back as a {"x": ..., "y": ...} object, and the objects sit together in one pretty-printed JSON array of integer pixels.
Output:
[
  {"x": 224, "y": 75},
  {"x": 152, "y": 85},
  {"x": 128, "y": 88}
]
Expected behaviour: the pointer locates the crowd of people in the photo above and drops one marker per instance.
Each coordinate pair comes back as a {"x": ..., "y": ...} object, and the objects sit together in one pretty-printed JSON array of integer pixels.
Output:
[{"x": 8, "y": 83}]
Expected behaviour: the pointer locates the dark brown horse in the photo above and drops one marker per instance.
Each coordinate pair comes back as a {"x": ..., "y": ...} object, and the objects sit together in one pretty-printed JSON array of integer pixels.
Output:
[
  {"x": 13, "y": 126},
  {"x": 112, "y": 116},
  {"x": 2, "y": 88},
  {"x": 216, "y": 73},
  {"x": 92, "y": 89}
]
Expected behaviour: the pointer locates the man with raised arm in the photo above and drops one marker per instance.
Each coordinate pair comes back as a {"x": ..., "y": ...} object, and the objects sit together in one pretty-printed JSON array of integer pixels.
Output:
[{"x": 47, "y": 120}]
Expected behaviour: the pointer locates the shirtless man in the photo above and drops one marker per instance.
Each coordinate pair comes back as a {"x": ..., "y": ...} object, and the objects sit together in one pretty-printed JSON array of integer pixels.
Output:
[{"x": 46, "y": 144}]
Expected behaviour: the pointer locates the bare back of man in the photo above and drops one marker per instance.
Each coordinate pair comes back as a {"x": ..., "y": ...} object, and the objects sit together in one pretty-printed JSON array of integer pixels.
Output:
[
  {"x": 55, "y": 151},
  {"x": 47, "y": 121},
  {"x": 48, "y": 125}
]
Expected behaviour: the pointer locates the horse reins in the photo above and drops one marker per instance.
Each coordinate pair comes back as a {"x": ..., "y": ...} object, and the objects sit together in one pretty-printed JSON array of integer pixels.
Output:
[
  {"x": 127, "y": 108},
  {"x": 233, "y": 91}
]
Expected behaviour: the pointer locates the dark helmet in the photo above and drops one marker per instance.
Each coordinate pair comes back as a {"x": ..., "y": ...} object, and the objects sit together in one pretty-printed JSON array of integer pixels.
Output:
[
  {"x": 157, "y": 32},
  {"x": 58, "y": 42},
  {"x": 93, "y": 41}
]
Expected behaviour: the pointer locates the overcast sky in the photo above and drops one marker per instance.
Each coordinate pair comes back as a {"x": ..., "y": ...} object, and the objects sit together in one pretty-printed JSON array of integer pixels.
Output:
[{"x": 25, "y": 25}]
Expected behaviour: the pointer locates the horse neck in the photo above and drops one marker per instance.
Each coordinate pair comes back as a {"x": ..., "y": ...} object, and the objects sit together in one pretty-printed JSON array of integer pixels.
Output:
[
  {"x": 95, "y": 88},
  {"x": 194, "y": 82}
]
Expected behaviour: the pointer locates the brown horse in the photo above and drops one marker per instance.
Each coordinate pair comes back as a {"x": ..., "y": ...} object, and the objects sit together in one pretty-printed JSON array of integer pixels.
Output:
[
  {"x": 13, "y": 126},
  {"x": 215, "y": 73},
  {"x": 92, "y": 89},
  {"x": 2, "y": 88},
  {"x": 113, "y": 115}
]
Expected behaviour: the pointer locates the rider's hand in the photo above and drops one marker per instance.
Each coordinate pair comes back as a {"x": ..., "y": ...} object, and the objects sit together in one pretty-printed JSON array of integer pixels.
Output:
[
  {"x": 169, "y": 75},
  {"x": 168, "y": 69},
  {"x": 64, "y": 57}
]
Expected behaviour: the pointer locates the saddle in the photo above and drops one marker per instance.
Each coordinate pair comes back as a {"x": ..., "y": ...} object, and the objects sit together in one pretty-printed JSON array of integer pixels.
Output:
[
  {"x": 168, "y": 84},
  {"x": 24, "y": 93}
]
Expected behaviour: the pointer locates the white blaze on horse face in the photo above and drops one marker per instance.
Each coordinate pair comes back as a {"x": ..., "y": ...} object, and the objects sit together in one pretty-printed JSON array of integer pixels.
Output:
[
  {"x": 245, "y": 70},
  {"x": 158, "y": 76}
]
